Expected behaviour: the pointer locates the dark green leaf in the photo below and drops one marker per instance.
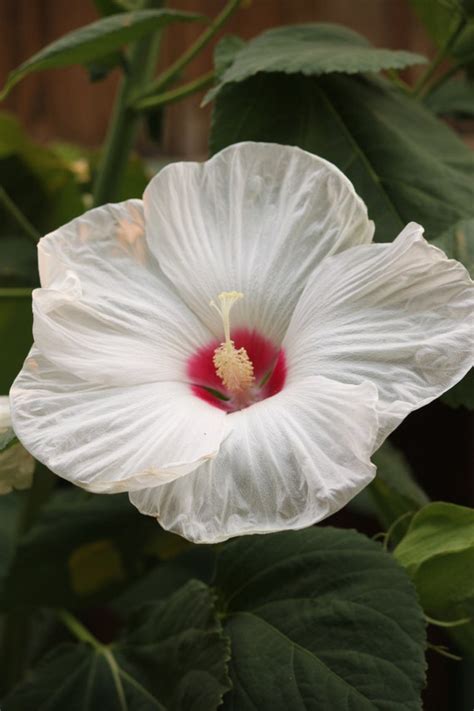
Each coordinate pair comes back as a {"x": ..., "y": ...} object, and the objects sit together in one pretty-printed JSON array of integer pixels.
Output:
[
  {"x": 458, "y": 243},
  {"x": 453, "y": 98},
  {"x": 404, "y": 163},
  {"x": 10, "y": 508},
  {"x": 15, "y": 333},
  {"x": 173, "y": 658},
  {"x": 97, "y": 40},
  {"x": 311, "y": 49},
  {"x": 394, "y": 491},
  {"x": 438, "y": 553},
  {"x": 319, "y": 619},
  {"x": 95, "y": 544},
  {"x": 462, "y": 395}
]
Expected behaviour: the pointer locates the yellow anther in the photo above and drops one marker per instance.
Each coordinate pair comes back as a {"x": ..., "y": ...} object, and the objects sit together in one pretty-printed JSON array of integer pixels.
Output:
[{"x": 233, "y": 366}]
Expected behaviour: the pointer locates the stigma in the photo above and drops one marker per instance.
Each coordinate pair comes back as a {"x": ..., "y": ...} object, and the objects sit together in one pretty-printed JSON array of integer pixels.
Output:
[{"x": 233, "y": 366}]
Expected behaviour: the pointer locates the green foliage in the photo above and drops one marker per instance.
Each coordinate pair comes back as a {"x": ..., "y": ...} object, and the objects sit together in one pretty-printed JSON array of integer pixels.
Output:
[
  {"x": 307, "y": 621},
  {"x": 97, "y": 40},
  {"x": 94, "y": 544},
  {"x": 451, "y": 25},
  {"x": 403, "y": 162},
  {"x": 311, "y": 49},
  {"x": 394, "y": 491},
  {"x": 15, "y": 333},
  {"x": 225, "y": 53},
  {"x": 452, "y": 98},
  {"x": 438, "y": 554},
  {"x": 172, "y": 657},
  {"x": 44, "y": 186}
]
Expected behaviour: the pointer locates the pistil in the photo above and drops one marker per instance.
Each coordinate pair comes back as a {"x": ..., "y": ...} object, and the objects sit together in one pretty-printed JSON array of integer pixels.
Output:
[{"x": 233, "y": 366}]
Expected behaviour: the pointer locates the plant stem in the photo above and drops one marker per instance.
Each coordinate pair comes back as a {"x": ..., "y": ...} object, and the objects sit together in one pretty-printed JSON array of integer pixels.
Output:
[
  {"x": 421, "y": 86},
  {"x": 168, "y": 97},
  {"x": 174, "y": 69},
  {"x": 125, "y": 121},
  {"x": 19, "y": 217},
  {"x": 78, "y": 630}
]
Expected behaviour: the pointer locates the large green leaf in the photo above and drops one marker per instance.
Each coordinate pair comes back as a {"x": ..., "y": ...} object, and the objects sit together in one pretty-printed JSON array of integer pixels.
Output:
[
  {"x": 319, "y": 619},
  {"x": 173, "y": 657},
  {"x": 97, "y": 40},
  {"x": 312, "y": 49},
  {"x": 82, "y": 548},
  {"x": 438, "y": 553},
  {"x": 404, "y": 163}
]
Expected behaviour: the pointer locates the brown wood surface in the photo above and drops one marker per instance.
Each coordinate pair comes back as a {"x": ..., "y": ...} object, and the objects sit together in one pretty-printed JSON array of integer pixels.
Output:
[{"x": 63, "y": 104}]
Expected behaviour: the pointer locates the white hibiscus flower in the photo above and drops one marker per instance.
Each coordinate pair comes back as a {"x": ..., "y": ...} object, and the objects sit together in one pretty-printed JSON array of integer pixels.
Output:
[
  {"x": 225, "y": 414},
  {"x": 16, "y": 464}
]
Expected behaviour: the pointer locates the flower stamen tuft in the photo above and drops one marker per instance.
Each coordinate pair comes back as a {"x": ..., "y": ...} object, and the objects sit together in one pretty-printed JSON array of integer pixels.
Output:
[{"x": 233, "y": 366}]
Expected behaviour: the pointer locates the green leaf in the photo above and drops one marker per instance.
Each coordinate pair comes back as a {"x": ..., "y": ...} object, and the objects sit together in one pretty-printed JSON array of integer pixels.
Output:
[
  {"x": 10, "y": 508},
  {"x": 172, "y": 658},
  {"x": 458, "y": 243},
  {"x": 462, "y": 395},
  {"x": 394, "y": 490},
  {"x": 225, "y": 53},
  {"x": 96, "y": 41},
  {"x": 95, "y": 545},
  {"x": 403, "y": 162},
  {"x": 15, "y": 333},
  {"x": 453, "y": 98},
  {"x": 440, "y": 17},
  {"x": 319, "y": 619},
  {"x": 312, "y": 49},
  {"x": 438, "y": 554}
]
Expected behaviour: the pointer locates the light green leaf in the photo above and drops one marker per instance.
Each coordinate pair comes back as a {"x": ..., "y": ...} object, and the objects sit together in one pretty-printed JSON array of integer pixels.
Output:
[
  {"x": 97, "y": 40},
  {"x": 172, "y": 657},
  {"x": 225, "y": 52},
  {"x": 309, "y": 613},
  {"x": 312, "y": 49},
  {"x": 438, "y": 554},
  {"x": 394, "y": 490},
  {"x": 453, "y": 98},
  {"x": 404, "y": 163}
]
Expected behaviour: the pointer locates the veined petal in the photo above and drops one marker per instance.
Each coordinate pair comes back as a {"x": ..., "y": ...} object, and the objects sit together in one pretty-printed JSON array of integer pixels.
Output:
[
  {"x": 109, "y": 439},
  {"x": 256, "y": 218},
  {"x": 106, "y": 312},
  {"x": 288, "y": 461},
  {"x": 399, "y": 315}
]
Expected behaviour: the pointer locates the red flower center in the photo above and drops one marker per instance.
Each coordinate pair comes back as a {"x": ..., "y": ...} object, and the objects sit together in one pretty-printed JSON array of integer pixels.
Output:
[{"x": 269, "y": 367}]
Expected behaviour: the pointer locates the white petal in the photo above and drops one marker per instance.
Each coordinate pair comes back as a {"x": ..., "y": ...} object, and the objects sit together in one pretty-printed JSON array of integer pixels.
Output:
[
  {"x": 106, "y": 312},
  {"x": 256, "y": 218},
  {"x": 5, "y": 419},
  {"x": 109, "y": 439},
  {"x": 400, "y": 315},
  {"x": 289, "y": 461}
]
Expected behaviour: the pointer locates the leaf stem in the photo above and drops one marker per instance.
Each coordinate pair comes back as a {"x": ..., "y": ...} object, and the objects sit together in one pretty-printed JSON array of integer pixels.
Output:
[
  {"x": 15, "y": 212},
  {"x": 78, "y": 630},
  {"x": 167, "y": 76},
  {"x": 167, "y": 97},
  {"x": 422, "y": 85},
  {"x": 125, "y": 121}
]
